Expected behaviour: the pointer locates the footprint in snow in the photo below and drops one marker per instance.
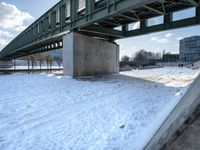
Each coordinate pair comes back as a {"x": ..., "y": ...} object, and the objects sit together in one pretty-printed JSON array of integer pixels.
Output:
[{"x": 122, "y": 126}]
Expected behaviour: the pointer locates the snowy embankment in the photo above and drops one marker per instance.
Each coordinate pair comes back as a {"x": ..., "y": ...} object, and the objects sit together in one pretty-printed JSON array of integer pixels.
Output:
[{"x": 41, "y": 111}]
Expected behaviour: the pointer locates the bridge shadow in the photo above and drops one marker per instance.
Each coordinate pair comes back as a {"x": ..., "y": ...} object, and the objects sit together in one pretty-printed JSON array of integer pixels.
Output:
[{"x": 132, "y": 80}]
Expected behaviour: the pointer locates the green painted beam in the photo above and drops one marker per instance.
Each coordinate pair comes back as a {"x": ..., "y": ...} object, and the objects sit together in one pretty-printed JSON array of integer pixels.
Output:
[
  {"x": 103, "y": 30},
  {"x": 116, "y": 8},
  {"x": 48, "y": 25},
  {"x": 155, "y": 10},
  {"x": 165, "y": 26},
  {"x": 194, "y": 2}
]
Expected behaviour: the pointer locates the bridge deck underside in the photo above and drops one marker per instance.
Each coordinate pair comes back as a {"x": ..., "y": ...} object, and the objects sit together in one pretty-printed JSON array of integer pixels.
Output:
[
  {"x": 47, "y": 44},
  {"x": 98, "y": 18},
  {"x": 144, "y": 12}
]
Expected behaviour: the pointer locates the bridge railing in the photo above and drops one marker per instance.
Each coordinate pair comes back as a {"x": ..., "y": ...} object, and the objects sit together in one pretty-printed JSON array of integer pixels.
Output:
[
  {"x": 59, "y": 18},
  {"x": 97, "y": 18}
]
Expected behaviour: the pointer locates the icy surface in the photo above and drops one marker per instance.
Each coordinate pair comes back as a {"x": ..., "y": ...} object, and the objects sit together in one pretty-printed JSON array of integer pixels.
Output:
[{"x": 48, "y": 112}]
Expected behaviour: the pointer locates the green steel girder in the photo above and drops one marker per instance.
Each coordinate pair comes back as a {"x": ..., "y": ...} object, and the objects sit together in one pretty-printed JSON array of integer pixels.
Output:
[
  {"x": 110, "y": 10},
  {"x": 195, "y": 3},
  {"x": 98, "y": 19},
  {"x": 36, "y": 47},
  {"x": 103, "y": 30},
  {"x": 164, "y": 26}
]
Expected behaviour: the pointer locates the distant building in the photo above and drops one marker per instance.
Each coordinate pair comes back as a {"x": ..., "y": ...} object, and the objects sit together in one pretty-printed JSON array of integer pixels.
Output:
[
  {"x": 170, "y": 57},
  {"x": 189, "y": 49}
]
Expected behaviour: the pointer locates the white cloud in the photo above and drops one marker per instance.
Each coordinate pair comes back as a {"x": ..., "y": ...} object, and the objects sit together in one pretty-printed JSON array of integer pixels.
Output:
[
  {"x": 20, "y": 28},
  {"x": 179, "y": 38},
  {"x": 136, "y": 25},
  {"x": 160, "y": 40},
  {"x": 5, "y": 34},
  {"x": 3, "y": 42},
  {"x": 167, "y": 35},
  {"x": 127, "y": 50},
  {"x": 12, "y": 18}
]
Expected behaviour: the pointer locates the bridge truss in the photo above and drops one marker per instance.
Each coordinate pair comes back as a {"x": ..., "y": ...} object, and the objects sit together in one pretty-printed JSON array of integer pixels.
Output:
[{"x": 98, "y": 18}]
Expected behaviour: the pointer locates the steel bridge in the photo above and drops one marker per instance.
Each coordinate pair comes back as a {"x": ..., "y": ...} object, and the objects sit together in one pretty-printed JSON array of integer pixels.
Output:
[{"x": 97, "y": 18}]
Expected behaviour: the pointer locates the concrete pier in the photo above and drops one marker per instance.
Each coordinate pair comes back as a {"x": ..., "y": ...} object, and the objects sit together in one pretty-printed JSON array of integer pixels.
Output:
[{"x": 85, "y": 56}]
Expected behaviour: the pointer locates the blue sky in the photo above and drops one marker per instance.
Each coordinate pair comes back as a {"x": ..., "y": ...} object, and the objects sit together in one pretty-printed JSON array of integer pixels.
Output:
[
  {"x": 35, "y": 7},
  {"x": 16, "y": 15},
  {"x": 26, "y": 11}
]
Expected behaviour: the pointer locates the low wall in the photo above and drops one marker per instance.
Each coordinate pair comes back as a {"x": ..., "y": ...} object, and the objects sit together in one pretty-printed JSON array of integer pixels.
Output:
[
  {"x": 178, "y": 117},
  {"x": 197, "y": 64},
  {"x": 172, "y": 63}
]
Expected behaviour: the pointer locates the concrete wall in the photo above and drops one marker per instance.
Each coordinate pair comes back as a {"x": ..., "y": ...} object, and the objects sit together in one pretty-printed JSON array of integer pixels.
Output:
[
  {"x": 6, "y": 64},
  {"x": 190, "y": 138},
  {"x": 84, "y": 55},
  {"x": 172, "y": 63},
  {"x": 174, "y": 124},
  {"x": 167, "y": 63},
  {"x": 197, "y": 64}
]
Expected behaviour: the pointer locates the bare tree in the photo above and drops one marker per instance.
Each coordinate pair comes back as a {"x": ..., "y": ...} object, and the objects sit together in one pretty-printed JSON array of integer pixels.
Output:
[
  {"x": 143, "y": 58},
  {"x": 125, "y": 59}
]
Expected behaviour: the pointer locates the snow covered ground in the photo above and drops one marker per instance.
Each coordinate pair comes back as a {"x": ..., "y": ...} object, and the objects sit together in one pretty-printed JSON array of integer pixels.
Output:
[{"x": 48, "y": 112}]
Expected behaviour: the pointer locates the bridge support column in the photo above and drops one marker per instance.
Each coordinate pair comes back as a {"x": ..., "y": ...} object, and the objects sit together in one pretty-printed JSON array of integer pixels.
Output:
[{"x": 85, "y": 56}]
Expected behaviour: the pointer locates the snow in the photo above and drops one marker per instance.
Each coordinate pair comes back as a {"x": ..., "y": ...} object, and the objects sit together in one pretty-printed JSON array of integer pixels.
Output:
[
  {"x": 169, "y": 76},
  {"x": 52, "y": 112}
]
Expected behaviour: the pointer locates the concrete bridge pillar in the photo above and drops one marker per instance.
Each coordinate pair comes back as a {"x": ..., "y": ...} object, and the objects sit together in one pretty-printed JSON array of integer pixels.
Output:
[{"x": 85, "y": 56}]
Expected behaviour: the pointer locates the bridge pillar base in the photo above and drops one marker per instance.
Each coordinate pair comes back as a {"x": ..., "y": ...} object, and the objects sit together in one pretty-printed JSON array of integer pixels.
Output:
[
  {"x": 85, "y": 56},
  {"x": 5, "y": 64}
]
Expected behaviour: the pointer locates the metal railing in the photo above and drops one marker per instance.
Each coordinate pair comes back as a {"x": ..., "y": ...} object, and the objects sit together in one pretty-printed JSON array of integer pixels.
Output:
[{"x": 59, "y": 18}]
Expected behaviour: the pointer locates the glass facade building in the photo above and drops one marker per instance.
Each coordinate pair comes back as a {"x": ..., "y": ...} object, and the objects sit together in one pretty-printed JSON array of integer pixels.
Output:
[{"x": 189, "y": 50}]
